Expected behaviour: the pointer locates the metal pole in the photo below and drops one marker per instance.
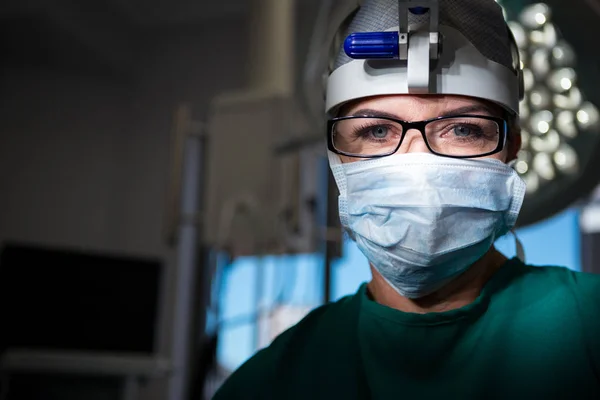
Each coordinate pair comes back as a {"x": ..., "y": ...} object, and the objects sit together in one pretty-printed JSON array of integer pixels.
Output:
[
  {"x": 203, "y": 342},
  {"x": 131, "y": 388},
  {"x": 589, "y": 225},
  {"x": 187, "y": 269},
  {"x": 332, "y": 246},
  {"x": 258, "y": 293}
]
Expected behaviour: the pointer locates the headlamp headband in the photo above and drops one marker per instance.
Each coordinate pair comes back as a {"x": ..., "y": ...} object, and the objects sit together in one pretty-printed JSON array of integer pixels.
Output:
[{"x": 420, "y": 58}]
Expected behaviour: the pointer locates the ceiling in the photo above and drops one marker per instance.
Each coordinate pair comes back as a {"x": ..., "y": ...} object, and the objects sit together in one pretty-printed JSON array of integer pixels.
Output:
[
  {"x": 148, "y": 13},
  {"x": 152, "y": 13},
  {"x": 74, "y": 36},
  {"x": 165, "y": 12}
]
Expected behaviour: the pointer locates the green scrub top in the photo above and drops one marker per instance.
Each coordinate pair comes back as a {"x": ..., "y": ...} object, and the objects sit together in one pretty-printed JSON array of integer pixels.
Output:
[{"x": 533, "y": 333}]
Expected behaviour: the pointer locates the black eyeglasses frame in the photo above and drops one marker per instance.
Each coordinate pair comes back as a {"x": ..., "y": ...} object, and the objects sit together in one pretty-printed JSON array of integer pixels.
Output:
[{"x": 420, "y": 126}]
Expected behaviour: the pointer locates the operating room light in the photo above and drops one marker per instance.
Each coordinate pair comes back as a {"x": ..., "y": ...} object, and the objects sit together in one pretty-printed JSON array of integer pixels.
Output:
[
  {"x": 568, "y": 101},
  {"x": 565, "y": 159},
  {"x": 521, "y": 167},
  {"x": 565, "y": 122},
  {"x": 540, "y": 18},
  {"x": 588, "y": 116},
  {"x": 554, "y": 112}
]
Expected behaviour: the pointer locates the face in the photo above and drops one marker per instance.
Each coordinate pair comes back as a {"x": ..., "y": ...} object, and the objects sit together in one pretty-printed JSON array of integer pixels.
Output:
[{"x": 423, "y": 107}]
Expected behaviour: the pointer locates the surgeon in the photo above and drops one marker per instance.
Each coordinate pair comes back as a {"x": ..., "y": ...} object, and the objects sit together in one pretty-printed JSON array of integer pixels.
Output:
[{"x": 423, "y": 105}]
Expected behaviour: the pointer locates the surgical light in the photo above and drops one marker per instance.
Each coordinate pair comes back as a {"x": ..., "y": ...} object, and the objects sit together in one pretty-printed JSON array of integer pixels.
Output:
[
  {"x": 535, "y": 16},
  {"x": 559, "y": 125},
  {"x": 588, "y": 116}
]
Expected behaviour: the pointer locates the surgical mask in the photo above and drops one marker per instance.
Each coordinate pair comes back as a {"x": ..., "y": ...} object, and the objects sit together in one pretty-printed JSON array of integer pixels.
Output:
[{"x": 422, "y": 219}]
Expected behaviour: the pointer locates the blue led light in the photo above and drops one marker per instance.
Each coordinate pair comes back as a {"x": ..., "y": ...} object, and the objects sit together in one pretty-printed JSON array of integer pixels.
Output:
[
  {"x": 418, "y": 10},
  {"x": 364, "y": 45}
]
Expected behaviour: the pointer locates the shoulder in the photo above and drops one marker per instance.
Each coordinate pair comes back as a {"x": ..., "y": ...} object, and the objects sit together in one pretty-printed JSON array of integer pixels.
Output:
[
  {"x": 556, "y": 290},
  {"x": 584, "y": 288},
  {"x": 557, "y": 277},
  {"x": 295, "y": 348},
  {"x": 580, "y": 289},
  {"x": 582, "y": 283}
]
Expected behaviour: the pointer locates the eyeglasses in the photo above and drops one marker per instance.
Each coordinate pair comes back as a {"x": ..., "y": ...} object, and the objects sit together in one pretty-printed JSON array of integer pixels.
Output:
[{"x": 457, "y": 136}]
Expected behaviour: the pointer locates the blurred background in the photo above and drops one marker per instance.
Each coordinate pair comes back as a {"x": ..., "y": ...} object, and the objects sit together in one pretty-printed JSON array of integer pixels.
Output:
[{"x": 166, "y": 207}]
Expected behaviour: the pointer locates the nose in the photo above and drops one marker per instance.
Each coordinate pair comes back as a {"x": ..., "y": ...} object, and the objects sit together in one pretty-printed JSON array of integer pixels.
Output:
[{"x": 413, "y": 142}]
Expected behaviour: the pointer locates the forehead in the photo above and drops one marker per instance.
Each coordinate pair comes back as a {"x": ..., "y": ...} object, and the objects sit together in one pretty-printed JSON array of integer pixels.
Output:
[{"x": 416, "y": 107}]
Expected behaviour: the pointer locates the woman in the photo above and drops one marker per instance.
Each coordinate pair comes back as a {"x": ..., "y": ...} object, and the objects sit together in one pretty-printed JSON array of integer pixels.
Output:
[{"x": 422, "y": 128}]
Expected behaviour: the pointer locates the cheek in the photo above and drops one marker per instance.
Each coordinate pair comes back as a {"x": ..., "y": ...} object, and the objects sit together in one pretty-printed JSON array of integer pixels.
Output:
[
  {"x": 502, "y": 156},
  {"x": 346, "y": 159},
  {"x": 509, "y": 152}
]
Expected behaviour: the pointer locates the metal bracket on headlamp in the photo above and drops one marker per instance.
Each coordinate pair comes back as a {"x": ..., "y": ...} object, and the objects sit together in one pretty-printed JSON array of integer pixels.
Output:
[
  {"x": 419, "y": 7},
  {"x": 415, "y": 44}
]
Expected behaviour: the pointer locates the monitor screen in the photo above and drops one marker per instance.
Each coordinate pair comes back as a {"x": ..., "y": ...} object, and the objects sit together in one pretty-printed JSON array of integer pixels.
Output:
[{"x": 61, "y": 299}]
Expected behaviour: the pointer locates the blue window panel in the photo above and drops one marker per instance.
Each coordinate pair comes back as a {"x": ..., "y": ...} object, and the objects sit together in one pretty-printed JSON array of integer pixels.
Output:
[
  {"x": 306, "y": 276},
  {"x": 295, "y": 280},
  {"x": 238, "y": 294},
  {"x": 554, "y": 241},
  {"x": 350, "y": 271},
  {"x": 235, "y": 346}
]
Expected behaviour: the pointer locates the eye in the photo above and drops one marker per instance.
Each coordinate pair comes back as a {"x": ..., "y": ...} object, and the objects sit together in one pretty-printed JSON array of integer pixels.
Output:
[
  {"x": 379, "y": 131},
  {"x": 462, "y": 130}
]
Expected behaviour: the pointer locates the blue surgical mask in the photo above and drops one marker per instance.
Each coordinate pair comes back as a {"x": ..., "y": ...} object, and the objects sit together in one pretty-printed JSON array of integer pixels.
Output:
[{"x": 422, "y": 219}]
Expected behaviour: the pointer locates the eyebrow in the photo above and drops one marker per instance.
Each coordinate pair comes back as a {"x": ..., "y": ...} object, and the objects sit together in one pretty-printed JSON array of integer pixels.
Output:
[{"x": 475, "y": 108}]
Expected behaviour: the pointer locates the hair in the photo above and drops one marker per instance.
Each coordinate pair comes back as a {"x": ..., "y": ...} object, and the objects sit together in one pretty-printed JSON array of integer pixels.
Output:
[{"x": 514, "y": 125}]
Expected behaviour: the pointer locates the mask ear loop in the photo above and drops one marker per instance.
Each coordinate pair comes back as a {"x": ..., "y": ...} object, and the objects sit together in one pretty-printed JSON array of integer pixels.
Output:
[{"x": 519, "y": 247}]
